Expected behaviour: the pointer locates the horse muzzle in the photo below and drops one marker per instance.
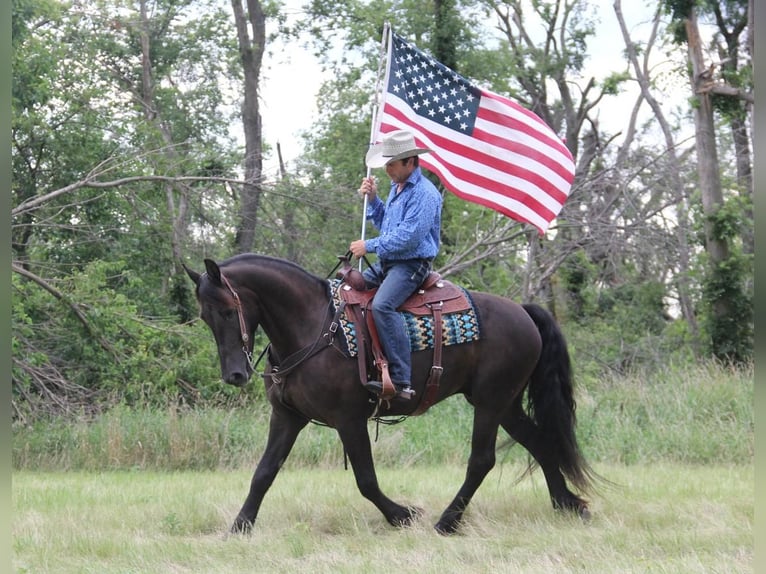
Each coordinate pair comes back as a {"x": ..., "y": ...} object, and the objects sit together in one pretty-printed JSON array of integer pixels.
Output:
[{"x": 236, "y": 378}]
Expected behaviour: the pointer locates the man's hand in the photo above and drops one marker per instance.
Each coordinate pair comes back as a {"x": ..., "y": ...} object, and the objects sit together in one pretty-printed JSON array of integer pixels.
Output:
[
  {"x": 357, "y": 248},
  {"x": 368, "y": 187}
]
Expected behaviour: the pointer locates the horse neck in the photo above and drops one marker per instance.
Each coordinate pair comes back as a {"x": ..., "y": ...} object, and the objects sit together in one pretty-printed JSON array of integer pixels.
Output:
[{"x": 292, "y": 304}]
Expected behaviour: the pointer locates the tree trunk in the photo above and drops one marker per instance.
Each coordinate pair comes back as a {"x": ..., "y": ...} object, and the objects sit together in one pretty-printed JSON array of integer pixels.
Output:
[
  {"x": 707, "y": 160},
  {"x": 707, "y": 154},
  {"x": 251, "y": 56},
  {"x": 739, "y": 110},
  {"x": 177, "y": 206}
]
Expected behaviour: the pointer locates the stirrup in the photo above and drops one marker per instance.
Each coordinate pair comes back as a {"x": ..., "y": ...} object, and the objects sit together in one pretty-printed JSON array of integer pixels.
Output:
[{"x": 376, "y": 387}]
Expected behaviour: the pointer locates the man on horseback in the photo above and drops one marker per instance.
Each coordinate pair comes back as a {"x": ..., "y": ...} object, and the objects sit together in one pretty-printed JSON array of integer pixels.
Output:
[{"x": 410, "y": 225}]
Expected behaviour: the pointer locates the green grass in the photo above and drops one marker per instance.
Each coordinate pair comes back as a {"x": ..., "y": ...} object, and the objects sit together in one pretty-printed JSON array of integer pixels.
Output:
[
  {"x": 662, "y": 518},
  {"x": 155, "y": 490},
  {"x": 699, "y": 415}
]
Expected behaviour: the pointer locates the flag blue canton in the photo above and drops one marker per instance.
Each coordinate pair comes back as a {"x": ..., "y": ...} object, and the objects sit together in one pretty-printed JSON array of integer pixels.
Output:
[{"x": 432, "y": 90}]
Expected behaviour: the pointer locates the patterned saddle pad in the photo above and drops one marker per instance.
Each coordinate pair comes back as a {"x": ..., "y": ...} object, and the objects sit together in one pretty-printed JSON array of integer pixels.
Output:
[{"x": 459, "y": 327}]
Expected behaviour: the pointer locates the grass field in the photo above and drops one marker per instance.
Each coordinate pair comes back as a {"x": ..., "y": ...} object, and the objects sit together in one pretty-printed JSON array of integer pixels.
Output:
[
  {"x": 672, "y": 518},
  {"x": 138, "y": 490}
]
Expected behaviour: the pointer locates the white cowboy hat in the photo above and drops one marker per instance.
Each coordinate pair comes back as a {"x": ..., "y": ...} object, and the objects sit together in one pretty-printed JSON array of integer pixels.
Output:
[{"x": 395, "y": 145}]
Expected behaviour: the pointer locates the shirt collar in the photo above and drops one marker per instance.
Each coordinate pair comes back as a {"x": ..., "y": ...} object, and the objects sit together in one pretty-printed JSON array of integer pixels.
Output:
[{"x": 413, "y": 178}]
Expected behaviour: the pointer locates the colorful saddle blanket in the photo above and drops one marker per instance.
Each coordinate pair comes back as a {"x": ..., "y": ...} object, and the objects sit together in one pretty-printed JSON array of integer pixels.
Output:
[{"x": 458, "y": 327}]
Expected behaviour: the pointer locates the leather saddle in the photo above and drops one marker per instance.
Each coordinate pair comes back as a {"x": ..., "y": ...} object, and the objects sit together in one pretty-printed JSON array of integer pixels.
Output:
[{"x": 435, "y": 297}]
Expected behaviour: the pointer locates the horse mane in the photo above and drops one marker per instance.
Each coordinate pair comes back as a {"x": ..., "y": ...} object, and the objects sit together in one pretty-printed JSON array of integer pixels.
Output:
[{"x": 268, "y": 260}]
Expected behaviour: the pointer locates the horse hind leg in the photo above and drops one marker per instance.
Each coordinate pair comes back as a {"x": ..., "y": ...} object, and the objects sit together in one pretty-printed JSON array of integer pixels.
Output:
[{"x": 525, "y": 432}]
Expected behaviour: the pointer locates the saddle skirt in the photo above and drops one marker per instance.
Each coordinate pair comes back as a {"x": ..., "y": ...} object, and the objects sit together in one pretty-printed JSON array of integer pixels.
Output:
[{"x": 460, "y": 321}]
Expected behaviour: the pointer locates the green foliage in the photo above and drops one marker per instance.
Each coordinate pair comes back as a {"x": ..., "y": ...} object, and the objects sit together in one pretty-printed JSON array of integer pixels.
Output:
[
  {"x": 726, "y": 287},
  {"x": 678, "y": 10},
  {"x": 81, "y": 112},
  {"x": 575, "y": 279},
  {"x": 613, "y": 83},
  {"x": 731, "y": 328},
  {"x": 695, "y": 413},
  {"x": 616, "y": 327},
  {"x": 112, "y": 352},
  {"x": 727, "y": 221}
]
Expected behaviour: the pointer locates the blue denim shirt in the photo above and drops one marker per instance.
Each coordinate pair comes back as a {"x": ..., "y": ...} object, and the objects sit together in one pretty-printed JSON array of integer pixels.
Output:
[{"x": 409, "y": 222}]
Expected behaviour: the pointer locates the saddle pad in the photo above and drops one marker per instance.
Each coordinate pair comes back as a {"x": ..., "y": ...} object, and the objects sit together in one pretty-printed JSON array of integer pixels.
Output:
[{"x": 458, "y": 327}]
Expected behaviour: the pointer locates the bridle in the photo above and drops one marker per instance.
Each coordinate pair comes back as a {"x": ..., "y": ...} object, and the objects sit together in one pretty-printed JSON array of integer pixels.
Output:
[
  {"x": 240, "y": 313},
  {"x": 291, "y": 362},
  {"x": 242, "y": 325}
]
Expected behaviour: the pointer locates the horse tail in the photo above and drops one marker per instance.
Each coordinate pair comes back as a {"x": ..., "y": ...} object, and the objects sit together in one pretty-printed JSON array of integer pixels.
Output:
[{"x": 550, "y": 399}]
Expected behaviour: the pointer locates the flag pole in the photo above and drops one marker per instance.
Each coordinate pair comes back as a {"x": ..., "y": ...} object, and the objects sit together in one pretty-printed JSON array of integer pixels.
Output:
[{"x": 374, "y": 123}]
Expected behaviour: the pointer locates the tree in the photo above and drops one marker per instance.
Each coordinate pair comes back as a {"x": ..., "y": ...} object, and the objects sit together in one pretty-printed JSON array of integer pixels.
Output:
[
  {"x": 730, "y": 321},
  {"x": 630, "y": 210},
  {"x": 117, "y": 131},
  {"x": 251, "y": 51},
  {"x": 642, "y": 72}
]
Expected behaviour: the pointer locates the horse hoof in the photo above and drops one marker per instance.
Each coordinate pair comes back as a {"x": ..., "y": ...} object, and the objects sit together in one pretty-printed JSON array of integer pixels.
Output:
[
  {"x": 585, "y": 515},
  {"x": 446, "y": 529},
  {"x": 408, "y": 516},
  {"x": 241, "y": 527}
]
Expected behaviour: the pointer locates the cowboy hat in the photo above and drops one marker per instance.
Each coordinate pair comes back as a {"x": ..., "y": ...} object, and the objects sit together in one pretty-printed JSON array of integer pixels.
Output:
[{"x": 395, "y": 145}]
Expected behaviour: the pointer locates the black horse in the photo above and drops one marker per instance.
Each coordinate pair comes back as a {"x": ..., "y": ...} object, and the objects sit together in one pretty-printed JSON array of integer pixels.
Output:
[{"x": 521, "y": 347}]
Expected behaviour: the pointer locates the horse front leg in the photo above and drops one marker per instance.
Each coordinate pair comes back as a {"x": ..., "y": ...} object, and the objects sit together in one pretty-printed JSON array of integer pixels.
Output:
[
  {"x": 284, "y": 427},
  {"x": 480, "y": 462},
  {"x": 356, "y": 442}
]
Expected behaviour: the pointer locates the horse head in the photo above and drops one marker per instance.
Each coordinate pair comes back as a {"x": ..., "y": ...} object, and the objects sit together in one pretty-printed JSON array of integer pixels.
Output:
[{"x": 230, "y": 318}]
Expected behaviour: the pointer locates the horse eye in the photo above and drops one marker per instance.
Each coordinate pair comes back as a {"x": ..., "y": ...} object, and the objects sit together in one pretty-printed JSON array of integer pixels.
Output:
[{"x": 227, "y": 314}]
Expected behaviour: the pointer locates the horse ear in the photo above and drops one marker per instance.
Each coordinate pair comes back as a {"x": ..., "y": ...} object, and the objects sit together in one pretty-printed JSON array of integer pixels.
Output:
[
  {"x": 213, "y": 271},
  {"x": 193, "y": 275}
]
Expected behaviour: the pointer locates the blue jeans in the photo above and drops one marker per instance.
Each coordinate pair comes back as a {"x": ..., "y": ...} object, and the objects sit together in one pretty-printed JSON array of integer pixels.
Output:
[{"x": 395, "y": 280}]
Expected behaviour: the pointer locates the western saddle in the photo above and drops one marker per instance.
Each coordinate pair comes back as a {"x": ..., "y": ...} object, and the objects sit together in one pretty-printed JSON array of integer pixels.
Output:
[{"x": 435, "y": 297}]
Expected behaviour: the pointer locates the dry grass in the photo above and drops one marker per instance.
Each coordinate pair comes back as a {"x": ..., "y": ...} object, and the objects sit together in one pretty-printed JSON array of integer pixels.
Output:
[{"x": 663, "y": 518}]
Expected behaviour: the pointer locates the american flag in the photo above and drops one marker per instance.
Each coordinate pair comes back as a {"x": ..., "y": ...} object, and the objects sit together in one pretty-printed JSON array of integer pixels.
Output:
[{"x": 487, "y": 149}]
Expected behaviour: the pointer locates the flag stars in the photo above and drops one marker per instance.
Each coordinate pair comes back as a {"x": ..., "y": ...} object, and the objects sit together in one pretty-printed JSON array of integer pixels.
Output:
[{"x": 432, "y": 90}]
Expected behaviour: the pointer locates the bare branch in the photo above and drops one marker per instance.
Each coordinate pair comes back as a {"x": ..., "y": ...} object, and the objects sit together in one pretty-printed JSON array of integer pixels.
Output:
[
  {"x": 36, "y": 202},
  {"x": 726, "y": 90}
]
